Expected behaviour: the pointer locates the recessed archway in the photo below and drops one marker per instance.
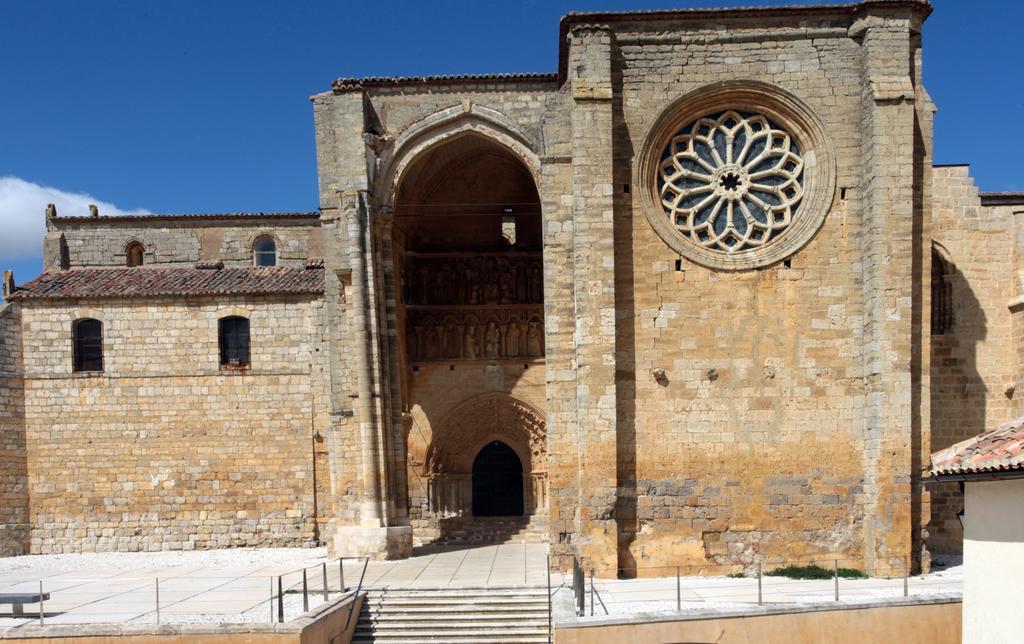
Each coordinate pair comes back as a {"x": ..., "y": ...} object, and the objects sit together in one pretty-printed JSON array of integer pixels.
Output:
[{"x": 466, "y": 246}]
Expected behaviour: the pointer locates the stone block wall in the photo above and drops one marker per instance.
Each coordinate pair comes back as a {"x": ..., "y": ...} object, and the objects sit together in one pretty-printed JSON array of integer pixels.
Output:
[
  {"x": 14, "y": 527},
  {"x": 755, "y": 441},
  {"x": 163, "y": 449},
  {"x": 171, "y": 241},
  {"x": 973, "y": 365},
  {"x": 695, "y": 414}
]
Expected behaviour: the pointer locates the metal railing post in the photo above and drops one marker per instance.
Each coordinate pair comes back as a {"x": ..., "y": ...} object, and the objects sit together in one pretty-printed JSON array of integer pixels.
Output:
[
  {"x": 323, "y": 571},
  {"x": 592, "y": 600},
  {"x": 760, "y": 600},
  {"x": 157, "y": 600},
  {"x": 835, "y": 570},
  {"x": 41, "y": 611},
  {"x": 280, "y": 600},
  {"x": 341, "y": 574},
  {"x": 906, "y": 576},
  {"x": 305, "y": 593},
  {"x": 549, "y": 598},
  {"x": 679, "y": 591},
  {"x": 271, "y": 600}
]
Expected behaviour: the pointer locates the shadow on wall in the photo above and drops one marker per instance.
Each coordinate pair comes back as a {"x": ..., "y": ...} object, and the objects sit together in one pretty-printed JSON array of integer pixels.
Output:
[
  {"x": 959, "y": 395},
  {"x": 626, "y": 514}
]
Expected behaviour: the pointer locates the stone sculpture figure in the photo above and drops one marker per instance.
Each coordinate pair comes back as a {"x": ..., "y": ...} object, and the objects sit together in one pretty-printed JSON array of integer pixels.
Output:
[
  {"x": 472, "y": 343},
  {"x": 536, "y": 284},
  {"x": 512, "y": 340},
  {"x": 492, "y": 340},
  {"x": 535, "y": 339}
]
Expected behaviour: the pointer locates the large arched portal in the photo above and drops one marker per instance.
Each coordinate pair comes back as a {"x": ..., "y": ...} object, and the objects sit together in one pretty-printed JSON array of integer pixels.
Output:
[
  {"x": 497, "y": 482},
  {"x": 453, "y": 457},
  {"x": 467, "y": 251}
]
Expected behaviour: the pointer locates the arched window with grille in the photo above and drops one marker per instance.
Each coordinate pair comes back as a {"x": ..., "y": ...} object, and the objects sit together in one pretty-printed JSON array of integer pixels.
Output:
[
  {"x": 234, "y": 342},
  {"x": 87, "y": 344},
  {"x": 942, "y": 293},
  {"x": 264, "y": 251},
  {"x": 135, "y": 254}
]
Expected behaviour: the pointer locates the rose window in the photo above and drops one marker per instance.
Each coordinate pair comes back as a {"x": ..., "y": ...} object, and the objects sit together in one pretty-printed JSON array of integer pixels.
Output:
[{"x": 731, "y": 181}]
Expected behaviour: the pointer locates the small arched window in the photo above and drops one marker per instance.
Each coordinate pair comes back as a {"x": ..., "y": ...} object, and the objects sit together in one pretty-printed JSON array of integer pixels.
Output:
[
  {"x": 264, "y": 251},
  {"x": 87, "y": 344},
  {"x": 135, "y": 254},
  {"x": 234, "y": 341},
  {"x": 942, "y": 294}
]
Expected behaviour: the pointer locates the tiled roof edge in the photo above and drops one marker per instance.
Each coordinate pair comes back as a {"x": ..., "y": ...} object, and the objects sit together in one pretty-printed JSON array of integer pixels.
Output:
[
  {"x": 350, "y": 84},
  {"x": 191, "y": 216}
]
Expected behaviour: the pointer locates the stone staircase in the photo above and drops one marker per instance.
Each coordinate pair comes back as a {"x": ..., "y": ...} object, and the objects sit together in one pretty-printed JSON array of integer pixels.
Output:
[
  {"x": 496, "y": 530},
  {"x": 464, "y": 615}
]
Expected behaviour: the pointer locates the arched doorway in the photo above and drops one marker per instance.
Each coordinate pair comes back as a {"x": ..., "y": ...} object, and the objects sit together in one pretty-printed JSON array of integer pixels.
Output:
[
  {"x": 466, "y": 244},
  {"x": 497, "y": 482}
]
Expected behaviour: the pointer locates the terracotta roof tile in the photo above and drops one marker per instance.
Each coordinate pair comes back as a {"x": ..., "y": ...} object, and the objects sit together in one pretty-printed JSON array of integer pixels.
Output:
[
  {"x": 149, "y": 282},
  {"x": 348, "y": 84},
  {"x": 998, "y": 450},
  {"x": 197, "y": 215}
]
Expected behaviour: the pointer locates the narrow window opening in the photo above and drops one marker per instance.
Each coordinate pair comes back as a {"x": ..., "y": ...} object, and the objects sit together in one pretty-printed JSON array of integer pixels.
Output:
[
  {"x": 942, "y": 294},
  {"x": 234, "y": 342},
  {"x": 264, "y": 251},
  {"x": 788, "y": 263},
  {"x": 679, "y": 265},
  {"x": 842, "y": 193},
  {"x": 135, "y": 254},
  {"x": 87, "y": 345},
  {"x": 625, "y": 188}
]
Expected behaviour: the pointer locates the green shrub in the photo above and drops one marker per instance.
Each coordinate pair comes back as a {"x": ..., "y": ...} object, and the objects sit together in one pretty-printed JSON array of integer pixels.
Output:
[
  {"x": 736, "y": 575},
  {"x": 814, "y": 572}
]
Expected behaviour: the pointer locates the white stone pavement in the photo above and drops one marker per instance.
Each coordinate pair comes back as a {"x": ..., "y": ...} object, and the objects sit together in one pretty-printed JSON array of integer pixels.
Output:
[{"x": 235, "y": 586}]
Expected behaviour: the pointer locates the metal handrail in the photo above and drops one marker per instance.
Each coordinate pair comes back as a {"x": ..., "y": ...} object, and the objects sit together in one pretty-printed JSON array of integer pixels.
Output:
[
  {"x": 282, "y": 590},
  {"x": 355, "y": 595}
]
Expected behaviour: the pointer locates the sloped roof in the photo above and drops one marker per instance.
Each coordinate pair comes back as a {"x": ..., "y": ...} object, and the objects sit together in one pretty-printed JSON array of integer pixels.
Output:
[
  {"x": 88, "y": 283},
  {"x": 159, "y": 217},
  {"x": 349, "y": 84},
  {"x": 995, "y": 451}
]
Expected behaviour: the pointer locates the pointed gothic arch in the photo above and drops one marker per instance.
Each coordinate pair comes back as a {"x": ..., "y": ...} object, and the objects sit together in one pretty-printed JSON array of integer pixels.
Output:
[{"x": 468, "y": 429}]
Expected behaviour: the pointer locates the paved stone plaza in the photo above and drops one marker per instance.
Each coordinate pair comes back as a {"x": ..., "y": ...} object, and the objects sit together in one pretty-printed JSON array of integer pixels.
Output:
[{"x": 234, "y": 586}]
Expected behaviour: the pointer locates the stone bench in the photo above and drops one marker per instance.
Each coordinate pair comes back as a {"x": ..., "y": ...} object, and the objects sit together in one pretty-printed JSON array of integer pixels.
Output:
[{"x": 18, "y": 600}]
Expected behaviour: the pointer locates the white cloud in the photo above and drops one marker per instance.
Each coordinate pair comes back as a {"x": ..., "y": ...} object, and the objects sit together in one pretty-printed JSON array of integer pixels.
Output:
[{"x": 22, "y": 215}]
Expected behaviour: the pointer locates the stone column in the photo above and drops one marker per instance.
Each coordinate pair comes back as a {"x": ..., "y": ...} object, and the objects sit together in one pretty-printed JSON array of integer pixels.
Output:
[
  {"x": 891, "y": 218},
  {"x": 362, "y": 522},
  {"x": 593, "y": 269}
]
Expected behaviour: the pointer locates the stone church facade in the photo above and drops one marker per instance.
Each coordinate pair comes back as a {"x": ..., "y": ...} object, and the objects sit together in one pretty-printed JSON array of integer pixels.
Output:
[{"x": 698, "y": 298}]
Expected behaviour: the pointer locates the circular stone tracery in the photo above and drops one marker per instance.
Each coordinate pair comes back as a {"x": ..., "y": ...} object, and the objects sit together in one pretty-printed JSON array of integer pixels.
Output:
[{"x": 731, "y": 181}]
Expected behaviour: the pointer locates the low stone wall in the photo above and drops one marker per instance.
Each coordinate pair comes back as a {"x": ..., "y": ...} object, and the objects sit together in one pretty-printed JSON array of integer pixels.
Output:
[
  {"x": 328, "y": 623},
  {"x": 908, "y": 621}
]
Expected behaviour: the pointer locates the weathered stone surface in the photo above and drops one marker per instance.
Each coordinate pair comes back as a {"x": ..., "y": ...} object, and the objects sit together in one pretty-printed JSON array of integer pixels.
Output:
[{"x": 776, "y": 406}]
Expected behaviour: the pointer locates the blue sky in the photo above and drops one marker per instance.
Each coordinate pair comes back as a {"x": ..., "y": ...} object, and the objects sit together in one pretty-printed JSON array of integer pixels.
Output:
[{"x": 200, "y": 106}]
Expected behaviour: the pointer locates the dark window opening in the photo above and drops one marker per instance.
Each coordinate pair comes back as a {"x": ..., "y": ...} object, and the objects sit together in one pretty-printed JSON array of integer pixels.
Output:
[
  {"x": 264, "y": 251},
  {"x": 87, "y": 341},
  {"x": 942, "y": 294},
  {"x": 135, "y": 254},
  {"x": 234, "y": 342}
]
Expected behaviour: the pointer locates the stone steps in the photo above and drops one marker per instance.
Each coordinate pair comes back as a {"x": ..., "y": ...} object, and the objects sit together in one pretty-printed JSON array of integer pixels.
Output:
[
  {"x": 497, "y": 530},
  {"x": 502, "y": 615}
]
